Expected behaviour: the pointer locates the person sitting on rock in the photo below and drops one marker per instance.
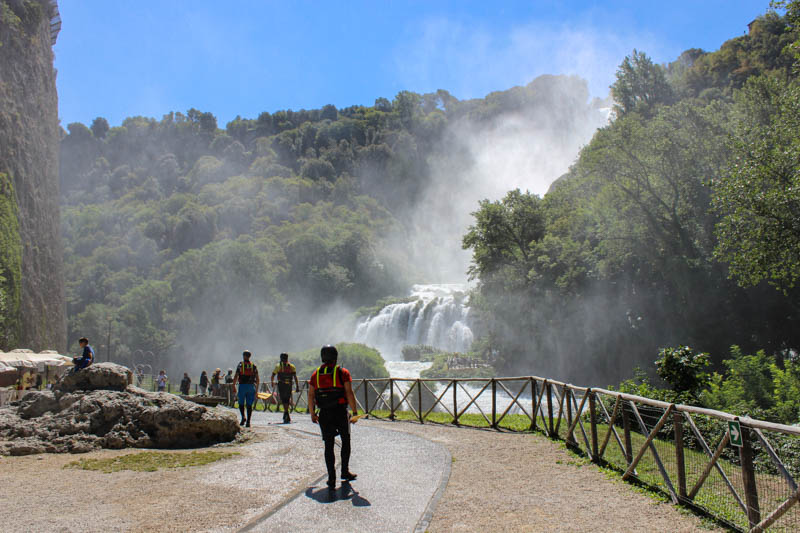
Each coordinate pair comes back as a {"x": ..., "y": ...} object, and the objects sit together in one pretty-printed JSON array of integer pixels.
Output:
[
  {"x": 229, "y": 377},
  {"x": 87, "y": 358}
]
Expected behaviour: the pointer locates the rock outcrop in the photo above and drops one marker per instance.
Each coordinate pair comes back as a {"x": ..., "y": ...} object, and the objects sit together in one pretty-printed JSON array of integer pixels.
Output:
[
  {"x": 100, "y": 376},
  {"x": 31, "y": 251},
  {"x": 96, "y": 408}
]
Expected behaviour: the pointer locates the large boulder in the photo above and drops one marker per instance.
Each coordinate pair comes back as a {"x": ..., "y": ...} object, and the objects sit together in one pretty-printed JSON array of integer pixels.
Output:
[
  {"x": 100, "y": 376},
  {"x": 75, "y": 418}
]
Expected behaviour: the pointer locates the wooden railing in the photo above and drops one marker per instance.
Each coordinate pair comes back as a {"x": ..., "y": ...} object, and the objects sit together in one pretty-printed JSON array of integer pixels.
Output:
[{"x": 681, "y": 450}]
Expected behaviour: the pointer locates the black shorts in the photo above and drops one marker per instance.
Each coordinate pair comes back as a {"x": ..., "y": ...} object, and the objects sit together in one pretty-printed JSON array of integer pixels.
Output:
[
  {"x": 285, "y": 392},
  {"x": 334, "y": 422}
]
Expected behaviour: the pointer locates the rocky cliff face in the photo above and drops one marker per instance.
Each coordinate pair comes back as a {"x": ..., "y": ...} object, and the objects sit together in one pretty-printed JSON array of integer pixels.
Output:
[{"x": 32, "y": 289}]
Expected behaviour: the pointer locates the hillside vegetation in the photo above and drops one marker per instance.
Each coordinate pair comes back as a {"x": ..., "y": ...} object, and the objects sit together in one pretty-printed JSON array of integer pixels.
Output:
[
  {"x": 676, "y": 224},
  {"x": 183, "y": 238}
]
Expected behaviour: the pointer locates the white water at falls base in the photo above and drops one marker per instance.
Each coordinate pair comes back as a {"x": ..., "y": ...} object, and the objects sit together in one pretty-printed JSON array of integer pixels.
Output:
[{"x": 437, "y": 316}]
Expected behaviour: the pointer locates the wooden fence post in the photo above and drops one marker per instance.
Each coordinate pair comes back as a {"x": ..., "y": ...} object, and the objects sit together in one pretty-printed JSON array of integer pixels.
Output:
[
  {"x": 494, "y": 403},
  {"x": 626, "y": 424},
  {"x": 365, "y": 384},
  {"x": 749, "y": 479},
  {"x": 534, "y": 395},
  {"x": 455, "y": 402},
  {"x": 568, "y": 392},
  {"x": 391, "y": 399},
  {"x": 549, "y": 394},
  {"x": 680, "y": 463},
  {"x": 593, "y": 415},
  {"x": 419, "y": 399}
]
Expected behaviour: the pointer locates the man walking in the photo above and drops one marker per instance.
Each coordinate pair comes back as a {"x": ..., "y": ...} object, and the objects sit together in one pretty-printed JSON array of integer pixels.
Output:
[
  {"x": 331, "y": 390},
  {"x": 285, "y": 372},
  {"x": 247, "y": 378}
]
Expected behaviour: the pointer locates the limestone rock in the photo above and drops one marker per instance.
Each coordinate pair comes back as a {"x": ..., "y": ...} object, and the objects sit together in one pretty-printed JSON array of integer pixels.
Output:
[
  {"x": 79, "y": 417},
  {"x": 100, "y": 376}
]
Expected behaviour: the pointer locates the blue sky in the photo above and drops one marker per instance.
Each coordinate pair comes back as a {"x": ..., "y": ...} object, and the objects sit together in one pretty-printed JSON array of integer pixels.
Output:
[{"x": 122, "y": 58}]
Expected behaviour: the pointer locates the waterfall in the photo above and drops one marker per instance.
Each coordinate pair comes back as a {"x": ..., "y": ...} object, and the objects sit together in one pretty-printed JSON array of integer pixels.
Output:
[{"x": 437, "y": 315}]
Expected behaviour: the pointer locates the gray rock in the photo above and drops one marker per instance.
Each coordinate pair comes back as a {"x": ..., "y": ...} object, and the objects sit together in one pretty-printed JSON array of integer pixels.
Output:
[
  {"x": 100, "y": 376},
  {"x": 79, "y": 420}
]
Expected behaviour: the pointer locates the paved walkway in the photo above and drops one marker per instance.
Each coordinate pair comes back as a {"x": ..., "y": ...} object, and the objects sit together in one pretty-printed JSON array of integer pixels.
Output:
[{"x": 401, "y": 476}]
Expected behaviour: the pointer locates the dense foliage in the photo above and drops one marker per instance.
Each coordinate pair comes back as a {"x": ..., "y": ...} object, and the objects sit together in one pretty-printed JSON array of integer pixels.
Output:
[
  {"x": 191, "y": 242},
  {"x": 666, "y": 229},
  {"x": 362, "y": 361},
  {"x": 758, "y": 385}
]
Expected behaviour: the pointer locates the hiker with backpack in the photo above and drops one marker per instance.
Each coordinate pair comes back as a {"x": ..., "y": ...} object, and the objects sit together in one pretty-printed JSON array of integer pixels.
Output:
[{"x": 247, "y": 378}]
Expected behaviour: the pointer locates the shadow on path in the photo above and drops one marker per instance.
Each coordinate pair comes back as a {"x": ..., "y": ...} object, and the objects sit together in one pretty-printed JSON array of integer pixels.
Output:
[{"x": 345, "y": 492}]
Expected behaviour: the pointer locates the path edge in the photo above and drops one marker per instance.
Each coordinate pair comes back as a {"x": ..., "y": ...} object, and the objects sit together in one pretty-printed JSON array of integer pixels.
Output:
[{"x": 427, "y": 515}]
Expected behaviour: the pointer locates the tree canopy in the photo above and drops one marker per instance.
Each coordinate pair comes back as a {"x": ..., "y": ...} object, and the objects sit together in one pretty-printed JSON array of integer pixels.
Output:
[{"x": 666, "y": 229}]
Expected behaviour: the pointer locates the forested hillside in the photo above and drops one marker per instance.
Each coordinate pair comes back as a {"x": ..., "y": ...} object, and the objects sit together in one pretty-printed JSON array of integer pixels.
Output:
[
  {"x": 192, "y": 241},
  {"x": 678, "y": 223}
]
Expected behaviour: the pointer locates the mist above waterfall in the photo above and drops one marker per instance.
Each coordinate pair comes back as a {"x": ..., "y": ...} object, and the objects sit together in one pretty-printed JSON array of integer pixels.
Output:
[{"x": 527, "y": 147}]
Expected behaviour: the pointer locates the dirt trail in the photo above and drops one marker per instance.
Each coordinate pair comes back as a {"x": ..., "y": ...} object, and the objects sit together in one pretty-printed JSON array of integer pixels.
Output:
[
  {"x": 498, "y": 482},
  {"x": 524, "y": 483},
  {"x": 39, "y": 494}
]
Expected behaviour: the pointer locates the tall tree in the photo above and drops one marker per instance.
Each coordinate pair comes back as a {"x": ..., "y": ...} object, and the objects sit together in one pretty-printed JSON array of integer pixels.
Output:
[
  {"x": 759, "y": 196},
  {"x": 640, "y": 85}
]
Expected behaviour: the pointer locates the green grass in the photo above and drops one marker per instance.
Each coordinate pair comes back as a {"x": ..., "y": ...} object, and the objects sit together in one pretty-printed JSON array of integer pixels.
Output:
[
  {"x": 151, "y": 461},
  {"x": 519, "y": 423},
  {"x": 713, "y": 496}
]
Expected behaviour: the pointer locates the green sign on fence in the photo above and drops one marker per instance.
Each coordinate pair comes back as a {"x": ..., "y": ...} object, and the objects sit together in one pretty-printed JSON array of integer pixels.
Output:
[{"x": 735, "y": 432}]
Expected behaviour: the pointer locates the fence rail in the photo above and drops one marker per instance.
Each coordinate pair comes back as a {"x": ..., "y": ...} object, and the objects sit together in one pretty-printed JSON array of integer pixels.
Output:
[{"x": 682, "y": 450}]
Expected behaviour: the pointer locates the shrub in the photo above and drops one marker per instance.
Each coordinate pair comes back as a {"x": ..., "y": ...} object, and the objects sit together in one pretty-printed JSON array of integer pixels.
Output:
[{"x": 682, "y": 368}]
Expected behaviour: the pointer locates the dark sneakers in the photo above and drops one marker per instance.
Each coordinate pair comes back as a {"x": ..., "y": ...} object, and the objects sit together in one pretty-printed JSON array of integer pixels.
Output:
[
  {"x": 331, "y": 485},
  {"x": 242, "y": 422},
  {"x": 348, "y": 476}
]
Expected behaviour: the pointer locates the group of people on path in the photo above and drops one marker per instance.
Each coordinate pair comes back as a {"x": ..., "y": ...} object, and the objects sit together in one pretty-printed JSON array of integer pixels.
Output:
[
  {"x": 206, "y": 385},
  {"x": 330, "y": 393}
]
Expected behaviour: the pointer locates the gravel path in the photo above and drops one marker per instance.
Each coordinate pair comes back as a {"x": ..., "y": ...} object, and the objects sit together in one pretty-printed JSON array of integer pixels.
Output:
[
  {"x": 39, "y": 494},
  {"x": 498, "y": 482},
  {"x": 523, "y": 483},
  {"x": 398, "y": 473}
]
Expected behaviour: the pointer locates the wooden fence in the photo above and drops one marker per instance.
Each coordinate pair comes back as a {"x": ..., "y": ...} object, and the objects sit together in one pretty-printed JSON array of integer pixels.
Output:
[{"x": 682, "y": 450}]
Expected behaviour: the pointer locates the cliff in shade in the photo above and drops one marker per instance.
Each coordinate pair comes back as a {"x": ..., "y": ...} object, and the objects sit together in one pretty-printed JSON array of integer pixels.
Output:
[{"x": 32, "y": 308}]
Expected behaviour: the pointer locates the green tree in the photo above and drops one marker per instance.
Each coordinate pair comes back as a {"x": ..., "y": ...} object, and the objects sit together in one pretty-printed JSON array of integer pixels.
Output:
[
  {"x": 504, "y": 235},
  {"x": 758, "y": 198},
  {"x": 640, "y": 85},
  {"x": 99, "y": 128}
]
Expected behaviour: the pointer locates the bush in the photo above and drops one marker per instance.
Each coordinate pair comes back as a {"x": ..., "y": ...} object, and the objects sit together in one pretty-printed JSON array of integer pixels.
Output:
[
  {"x": 362, "y": 361},
  {"x": 682, "y": 368},
  {"x": 418, "y": 352}
]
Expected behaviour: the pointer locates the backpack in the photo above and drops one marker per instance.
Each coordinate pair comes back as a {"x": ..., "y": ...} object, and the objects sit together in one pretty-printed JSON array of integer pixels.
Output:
[{"x": 330, "y": 396}]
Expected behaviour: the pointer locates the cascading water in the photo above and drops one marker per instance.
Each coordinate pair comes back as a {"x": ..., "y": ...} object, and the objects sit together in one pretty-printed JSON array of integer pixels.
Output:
[{"x": 437, "y": 315}]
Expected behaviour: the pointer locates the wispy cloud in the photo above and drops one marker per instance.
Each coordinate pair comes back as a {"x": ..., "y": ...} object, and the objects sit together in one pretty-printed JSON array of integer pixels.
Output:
[{"x": 471, "y": 60}]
